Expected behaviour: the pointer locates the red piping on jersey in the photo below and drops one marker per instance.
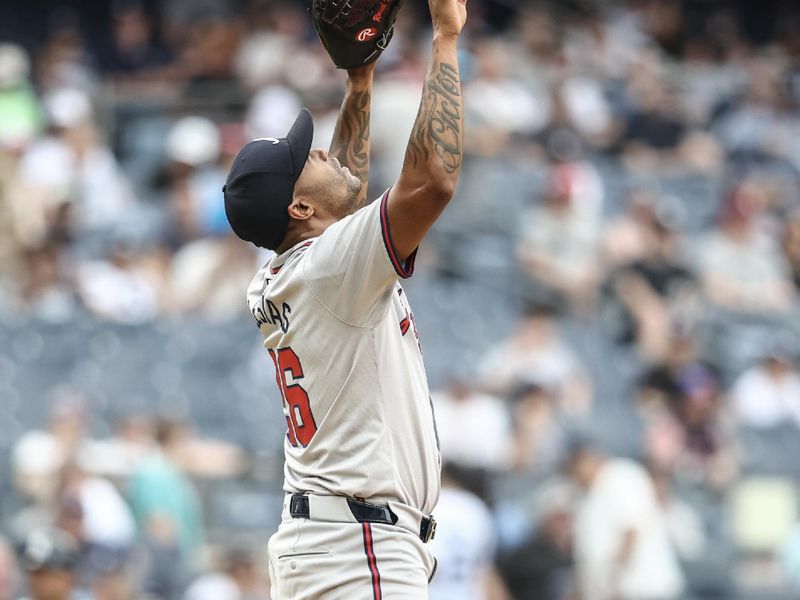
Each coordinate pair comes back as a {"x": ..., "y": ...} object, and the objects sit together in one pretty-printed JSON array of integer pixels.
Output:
[
  {"x": 403, "y": 270},
  {"x": 405, "y": 324},
  {"x": 276, "y": 270},
  {"x": 369, "y": 549}
]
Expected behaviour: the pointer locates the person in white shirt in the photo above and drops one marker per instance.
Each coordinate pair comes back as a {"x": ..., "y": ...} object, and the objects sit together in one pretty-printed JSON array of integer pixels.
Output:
[
  {"x": 740, "y": 267},
  {"x": 537, "y": 353},
  {"x": 464, "y": 546},
  {"x": 622, "y": 546},
  {"x": 559, "y": 243},
  {"x": 768, "y": 394},
  {"x": 107, "y": 519},
  {"x": 474, "y": 428}
]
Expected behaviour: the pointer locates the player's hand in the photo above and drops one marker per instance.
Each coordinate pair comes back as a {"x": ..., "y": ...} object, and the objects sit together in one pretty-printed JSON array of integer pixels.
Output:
[{"x": 449, "y": 16}]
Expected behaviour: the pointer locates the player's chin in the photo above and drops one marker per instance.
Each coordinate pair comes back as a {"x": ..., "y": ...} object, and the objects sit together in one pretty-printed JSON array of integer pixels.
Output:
[{"x": 354, "y": 183}]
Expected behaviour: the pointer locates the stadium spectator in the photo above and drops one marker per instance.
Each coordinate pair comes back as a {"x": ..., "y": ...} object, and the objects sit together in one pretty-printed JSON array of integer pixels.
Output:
[
  {"x": 20, "y": 119},
  {"x": 628, "y": 237},
  {"x": 64, "y": 59},
  {"x": 540, "y": 41},
  {"x": 117, "y": 456},
  {"x": 707, "y": 450},
  {"x": 741, "y": 268},
  {"x": 35, "y": 460},
  {"x": 131, "y": 51},
  {"x": 464, "y": 545},
  {"x": 121, "y": 286},
  {"x": 768, "y": 394},
  {"x": 39, "y": 455},
  {"x": 473, "y": 427},
  {"x": 273, "y": 40},
  {"x": 655, "y": 287},
  {"x": 653, "y": 125},
  {"x": 109, "y": 574},
  {"x": 194, "y": 151},
  {"x": 167, "y": 508},
  {"x": 541, "y": 566},
  {"x": 73, "y": 166},
  {"x": 581, "y": 107},
  {"x": 559, "y": 243},
  {"x": 51, "y": 558},
  {"x": 684, "y": 526},
  {"x": 238, "y": 578},
  {"x": 660, "y": 382},
  {"x": 500, "y": 105},
  {"x": 685, "y": 429},
  {"x": 106, "y": 521},
  {"x": 622, "y": 545},
  {"x": 44, "y": 290},
  {"x": 759, "y": 124},
  {"x": 207, "y": 276},
  {"x": 538, "y": 440},
  {"x": 536, "y": 353}
]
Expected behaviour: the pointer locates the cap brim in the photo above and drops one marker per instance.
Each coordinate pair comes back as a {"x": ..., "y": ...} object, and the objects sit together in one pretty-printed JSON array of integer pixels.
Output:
[{"x": 300, "y": 137}]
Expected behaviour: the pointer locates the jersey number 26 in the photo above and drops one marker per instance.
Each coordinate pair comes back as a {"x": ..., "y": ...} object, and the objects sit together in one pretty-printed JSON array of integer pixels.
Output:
[{"x": 299, "y": 420}]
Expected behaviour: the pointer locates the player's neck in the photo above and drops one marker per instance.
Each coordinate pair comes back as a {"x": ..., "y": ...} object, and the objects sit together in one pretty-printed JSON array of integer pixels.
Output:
[
  {"x": 291, "y": 240},
  {"x": 302, "y": 230}
]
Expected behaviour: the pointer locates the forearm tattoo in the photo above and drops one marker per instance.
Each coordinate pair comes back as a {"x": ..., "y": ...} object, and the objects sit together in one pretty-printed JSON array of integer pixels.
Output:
[
  {"x": 439, "y": 126},
  {"x": 351, "y": 137}
]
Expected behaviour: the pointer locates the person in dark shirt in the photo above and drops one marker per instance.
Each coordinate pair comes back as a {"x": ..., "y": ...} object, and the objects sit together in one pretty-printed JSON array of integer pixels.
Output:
[
  {"x": 541, "y": 566},
  {"x": 648, "y": 293},
  {"x": 132, "y": 49},
  {"x": 652, "y": 120}
]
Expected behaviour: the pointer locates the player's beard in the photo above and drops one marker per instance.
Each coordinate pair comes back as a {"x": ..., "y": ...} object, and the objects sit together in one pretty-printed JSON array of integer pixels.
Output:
[
  {"x": 340, "y": 193},
  {"x": 346, "y": 201}
]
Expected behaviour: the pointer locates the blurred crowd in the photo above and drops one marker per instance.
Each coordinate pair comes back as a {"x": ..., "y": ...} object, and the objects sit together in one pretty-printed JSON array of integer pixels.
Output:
[
  {"x": 117, "y": 125},
  {"x": 120, "y": 517}
]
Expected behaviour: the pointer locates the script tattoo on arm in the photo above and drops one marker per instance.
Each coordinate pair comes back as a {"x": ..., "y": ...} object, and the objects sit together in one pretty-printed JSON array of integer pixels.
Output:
[
  {"x": 439, "y": 125},
  {"x": 350, "y": 144}
]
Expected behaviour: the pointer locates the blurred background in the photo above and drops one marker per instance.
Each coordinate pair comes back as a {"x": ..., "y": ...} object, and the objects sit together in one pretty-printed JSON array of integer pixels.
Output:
[{"x": 608, "y": 309}]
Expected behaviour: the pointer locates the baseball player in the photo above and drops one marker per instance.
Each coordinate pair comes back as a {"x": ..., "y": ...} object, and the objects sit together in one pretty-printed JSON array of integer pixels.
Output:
[{"x": 362, "y": 470}]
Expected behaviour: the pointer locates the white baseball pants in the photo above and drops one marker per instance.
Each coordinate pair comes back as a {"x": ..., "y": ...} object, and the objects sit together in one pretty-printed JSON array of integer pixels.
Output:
[{"x": 322, "y": 560}]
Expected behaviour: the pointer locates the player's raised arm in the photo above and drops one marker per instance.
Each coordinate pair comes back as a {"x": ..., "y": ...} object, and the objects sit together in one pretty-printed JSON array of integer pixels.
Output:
[
  {"x": 435, "y": 151},
  {"x": 350, "y": 145}
]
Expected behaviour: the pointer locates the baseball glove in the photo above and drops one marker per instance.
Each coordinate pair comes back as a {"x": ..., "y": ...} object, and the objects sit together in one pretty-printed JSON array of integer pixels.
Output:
[{"x": 355, "y": 32}]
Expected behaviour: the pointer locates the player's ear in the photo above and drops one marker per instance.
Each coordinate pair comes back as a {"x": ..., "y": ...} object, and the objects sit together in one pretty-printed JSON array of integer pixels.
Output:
[{"x": 300, "y": 210}]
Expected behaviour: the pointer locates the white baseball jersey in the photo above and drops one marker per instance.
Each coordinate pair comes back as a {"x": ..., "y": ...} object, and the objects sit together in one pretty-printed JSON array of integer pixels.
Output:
[{"x": 339, "y": 328}]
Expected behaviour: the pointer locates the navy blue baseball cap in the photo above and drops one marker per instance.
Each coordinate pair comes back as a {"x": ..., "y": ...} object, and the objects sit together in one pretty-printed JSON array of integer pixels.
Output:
[{"x": 260, "y": 185}]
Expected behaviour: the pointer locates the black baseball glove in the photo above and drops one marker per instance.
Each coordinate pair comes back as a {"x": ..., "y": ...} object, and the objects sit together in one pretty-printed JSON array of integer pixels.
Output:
[{"x": 355, "y": 32}]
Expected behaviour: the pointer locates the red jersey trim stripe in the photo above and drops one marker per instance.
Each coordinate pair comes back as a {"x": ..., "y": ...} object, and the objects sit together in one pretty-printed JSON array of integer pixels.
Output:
[
  {"x": 372, "y": 561},
  {"x": 403, "y": 270}
]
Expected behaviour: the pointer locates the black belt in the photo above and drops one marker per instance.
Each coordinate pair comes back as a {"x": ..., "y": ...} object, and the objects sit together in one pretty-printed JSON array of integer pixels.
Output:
[{"x": 364, "y": 512}]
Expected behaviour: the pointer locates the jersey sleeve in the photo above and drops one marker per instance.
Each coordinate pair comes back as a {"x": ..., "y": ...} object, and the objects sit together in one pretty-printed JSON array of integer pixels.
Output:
[{"x": 353, "y": 265}]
